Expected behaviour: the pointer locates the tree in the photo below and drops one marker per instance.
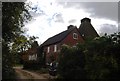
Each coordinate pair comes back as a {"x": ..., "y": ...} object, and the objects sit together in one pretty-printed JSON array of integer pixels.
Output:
[
  {"x": 20, "y": 45},
  {"x": 14, "y": 15}
]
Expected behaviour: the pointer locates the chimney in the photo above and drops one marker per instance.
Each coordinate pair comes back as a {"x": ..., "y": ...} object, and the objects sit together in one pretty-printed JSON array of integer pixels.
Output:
[
  {"x": 70, "y": 26},
  {"x": 35, "y": 44}
]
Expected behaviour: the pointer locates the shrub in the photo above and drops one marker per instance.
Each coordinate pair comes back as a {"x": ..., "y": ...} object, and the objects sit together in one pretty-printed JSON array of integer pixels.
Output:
[{"x": 71, "y": 63}]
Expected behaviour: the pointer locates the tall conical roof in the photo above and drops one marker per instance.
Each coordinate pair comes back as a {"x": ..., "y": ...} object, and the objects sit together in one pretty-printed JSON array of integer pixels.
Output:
[{"x": 87, "y": 30}]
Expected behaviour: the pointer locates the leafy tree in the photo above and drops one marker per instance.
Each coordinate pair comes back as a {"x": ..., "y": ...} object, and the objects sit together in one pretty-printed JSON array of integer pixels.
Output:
[{"x": 14, "y": 15}]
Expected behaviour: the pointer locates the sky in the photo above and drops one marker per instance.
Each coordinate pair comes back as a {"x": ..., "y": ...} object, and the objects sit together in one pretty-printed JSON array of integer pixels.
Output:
[{"x": 51, "y": 17}]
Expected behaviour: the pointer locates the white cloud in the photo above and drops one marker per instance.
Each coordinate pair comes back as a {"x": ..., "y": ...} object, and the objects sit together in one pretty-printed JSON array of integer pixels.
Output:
[
  {"x": 40, "y": 27},
  {"x": 56, "y": 18}
]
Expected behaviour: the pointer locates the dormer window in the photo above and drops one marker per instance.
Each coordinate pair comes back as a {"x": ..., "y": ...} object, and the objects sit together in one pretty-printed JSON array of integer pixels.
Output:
[{"x": 75, "y": 36}]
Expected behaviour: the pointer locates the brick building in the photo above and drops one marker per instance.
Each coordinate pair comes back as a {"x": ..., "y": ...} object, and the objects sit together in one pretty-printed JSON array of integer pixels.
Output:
[
  {"x": 72, "y": 36},
  {"x": 52, "y": 46}
]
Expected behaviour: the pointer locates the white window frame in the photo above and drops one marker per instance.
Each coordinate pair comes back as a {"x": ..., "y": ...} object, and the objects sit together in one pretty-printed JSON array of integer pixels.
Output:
[
  {"x": 74, "y": 36},
  {"x": 55, "y": 48},
  {"x": 33, "y": 57},
  {"x": 48, "y": 49}
]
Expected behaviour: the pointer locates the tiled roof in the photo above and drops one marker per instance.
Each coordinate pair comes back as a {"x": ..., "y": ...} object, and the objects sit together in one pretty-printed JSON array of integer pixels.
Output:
[{"x": 57, "y": 38}]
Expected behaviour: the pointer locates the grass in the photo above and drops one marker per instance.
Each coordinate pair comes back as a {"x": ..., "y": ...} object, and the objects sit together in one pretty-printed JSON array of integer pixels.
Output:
[{"x": 44, "y": 70}]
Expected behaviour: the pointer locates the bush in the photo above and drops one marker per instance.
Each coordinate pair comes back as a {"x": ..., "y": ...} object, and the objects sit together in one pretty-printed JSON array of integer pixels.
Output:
[
  {"x": 71, "y": 63},
  {"x": 102, "y": 58}
]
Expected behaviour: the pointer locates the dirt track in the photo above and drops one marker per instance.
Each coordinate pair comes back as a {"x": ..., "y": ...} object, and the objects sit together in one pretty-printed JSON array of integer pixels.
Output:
[{"x": 24, "y": 74}]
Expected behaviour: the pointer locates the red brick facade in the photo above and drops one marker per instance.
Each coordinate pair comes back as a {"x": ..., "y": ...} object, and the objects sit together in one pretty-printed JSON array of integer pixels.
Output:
[
  {"x": 55, "y": 48},
  {"x": 69, "y": 40}
]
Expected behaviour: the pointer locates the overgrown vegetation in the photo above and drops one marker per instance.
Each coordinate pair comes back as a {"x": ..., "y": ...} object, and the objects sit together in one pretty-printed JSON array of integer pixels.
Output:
[
  {"x": 97, "y": 59},
  {"x": 71, "y": 63}
]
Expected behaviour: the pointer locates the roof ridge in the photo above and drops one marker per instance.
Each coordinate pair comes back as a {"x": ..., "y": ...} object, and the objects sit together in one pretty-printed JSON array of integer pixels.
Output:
[{"x": 58, "y": 37}]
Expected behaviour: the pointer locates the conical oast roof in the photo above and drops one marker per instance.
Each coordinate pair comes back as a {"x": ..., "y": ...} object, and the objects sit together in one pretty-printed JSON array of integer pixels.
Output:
[{"x": 87, "y": 30}]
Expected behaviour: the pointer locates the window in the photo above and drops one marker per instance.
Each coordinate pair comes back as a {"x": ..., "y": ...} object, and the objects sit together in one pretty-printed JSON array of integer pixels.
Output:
[
  {"x": 48, "y": 49},
  {"x": 33, "y": 57},
  {"x": 55, "y": 48},
  {"x": 75, "y": 36}
]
